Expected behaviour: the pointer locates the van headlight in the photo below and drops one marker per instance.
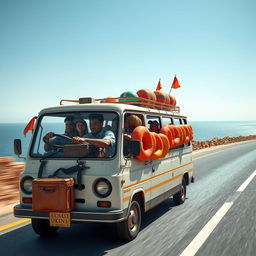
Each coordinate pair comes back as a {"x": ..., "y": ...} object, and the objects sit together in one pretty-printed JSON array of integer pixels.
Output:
[
  {"x": 26, "y": 185},
  {"x": 102, "y": 188}
]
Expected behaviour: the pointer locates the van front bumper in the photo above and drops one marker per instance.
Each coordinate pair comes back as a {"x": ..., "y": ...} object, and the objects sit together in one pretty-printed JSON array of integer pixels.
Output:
[{"x": 25, "y": 211}]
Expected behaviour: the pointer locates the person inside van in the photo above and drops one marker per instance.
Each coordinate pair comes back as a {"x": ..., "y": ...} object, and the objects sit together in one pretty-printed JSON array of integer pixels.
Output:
[
  {"x": 130, "y": 123},
  {"x": 99, "y": 137},
  {"x": 81, "y": 127},
  {"x": 70, "y": 131},
  {"x": 154, "y": 126}
]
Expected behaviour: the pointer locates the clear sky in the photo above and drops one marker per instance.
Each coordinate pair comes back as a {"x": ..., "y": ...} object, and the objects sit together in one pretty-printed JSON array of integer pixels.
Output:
[{"x": 65, "y": 49}]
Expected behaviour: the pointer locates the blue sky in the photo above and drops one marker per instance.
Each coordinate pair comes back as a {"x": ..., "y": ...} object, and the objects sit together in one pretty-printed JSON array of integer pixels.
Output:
[{"x": 52, "y": 50}]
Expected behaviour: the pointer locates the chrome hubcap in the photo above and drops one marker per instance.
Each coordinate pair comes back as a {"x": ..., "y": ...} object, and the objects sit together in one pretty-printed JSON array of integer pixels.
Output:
[{"x": 133, "y": 219}]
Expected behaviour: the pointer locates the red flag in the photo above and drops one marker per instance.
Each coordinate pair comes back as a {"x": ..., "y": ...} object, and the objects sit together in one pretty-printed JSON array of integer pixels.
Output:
[
  {"x": 30, "y": 126},
  {"x": 159, "y": 85},
  {"x": 175, "y": 83}
]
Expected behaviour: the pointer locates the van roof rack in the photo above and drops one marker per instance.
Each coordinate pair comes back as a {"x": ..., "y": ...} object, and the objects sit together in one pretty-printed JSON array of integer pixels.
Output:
[{"x": 137, "y": 101}]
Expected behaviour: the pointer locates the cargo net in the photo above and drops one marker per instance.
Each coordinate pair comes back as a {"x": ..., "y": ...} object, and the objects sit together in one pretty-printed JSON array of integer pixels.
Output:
[{"x": 137, "y": 101}]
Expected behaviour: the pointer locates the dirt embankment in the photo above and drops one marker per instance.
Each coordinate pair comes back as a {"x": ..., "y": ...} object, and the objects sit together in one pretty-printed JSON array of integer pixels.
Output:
[
  {"x": 9, "y": 180},
  {"x": 10, "y": 170}
]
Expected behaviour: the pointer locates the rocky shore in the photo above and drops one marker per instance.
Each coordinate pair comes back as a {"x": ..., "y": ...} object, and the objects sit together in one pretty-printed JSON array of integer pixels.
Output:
[
  {"x": 220, "y": 141},
  {"x": 10, "y": 170}
]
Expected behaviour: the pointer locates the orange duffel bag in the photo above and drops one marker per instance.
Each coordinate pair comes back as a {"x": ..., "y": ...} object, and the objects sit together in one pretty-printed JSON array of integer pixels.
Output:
[{"x": 53, "y": 195}]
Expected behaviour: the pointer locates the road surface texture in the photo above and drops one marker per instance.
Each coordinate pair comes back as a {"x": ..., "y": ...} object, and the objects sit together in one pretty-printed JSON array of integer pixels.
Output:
[{"x": 218, "y": 217}]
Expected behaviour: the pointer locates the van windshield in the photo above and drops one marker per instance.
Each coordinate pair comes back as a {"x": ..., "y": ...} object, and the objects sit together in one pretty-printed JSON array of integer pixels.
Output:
[{"x": 76, "y": 135}]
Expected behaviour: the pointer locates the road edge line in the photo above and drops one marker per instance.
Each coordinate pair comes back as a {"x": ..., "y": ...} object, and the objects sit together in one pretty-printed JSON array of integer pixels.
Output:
[{"x": 13, "y": 224}]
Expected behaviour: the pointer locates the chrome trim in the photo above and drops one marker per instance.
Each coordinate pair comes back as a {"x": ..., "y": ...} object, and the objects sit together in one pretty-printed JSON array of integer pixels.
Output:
[{"x": 24, "y": 211}]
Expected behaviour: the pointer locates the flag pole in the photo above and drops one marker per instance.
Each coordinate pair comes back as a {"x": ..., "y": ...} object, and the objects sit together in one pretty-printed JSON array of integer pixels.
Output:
[{"x": 171, "y": 87}]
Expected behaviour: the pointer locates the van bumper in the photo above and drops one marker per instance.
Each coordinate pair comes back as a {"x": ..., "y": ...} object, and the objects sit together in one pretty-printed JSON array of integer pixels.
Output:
[{"x": 25, "y": 211}]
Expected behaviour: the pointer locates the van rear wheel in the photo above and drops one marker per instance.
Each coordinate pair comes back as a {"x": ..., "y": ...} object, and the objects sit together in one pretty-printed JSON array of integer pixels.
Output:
[
  {"x": 130, "y": 227},
  {"x": 42, "y": 227},
  {"x": 180, "y": 197}
]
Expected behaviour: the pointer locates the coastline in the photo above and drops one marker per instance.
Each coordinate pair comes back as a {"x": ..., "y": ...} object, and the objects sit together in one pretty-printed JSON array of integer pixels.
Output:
[
  {"x": 197, "y": 145},
  {"x": 10, "y": 170}
]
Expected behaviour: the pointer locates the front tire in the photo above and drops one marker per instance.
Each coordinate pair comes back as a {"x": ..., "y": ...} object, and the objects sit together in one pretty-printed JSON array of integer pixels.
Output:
[
  {"x": 180, "y": 197},
  {"x": 128, "y": 229},
  {"x": 42, "y": 227}
]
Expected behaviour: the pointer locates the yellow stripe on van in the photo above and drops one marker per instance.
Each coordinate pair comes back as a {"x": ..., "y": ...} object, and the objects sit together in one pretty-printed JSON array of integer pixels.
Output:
[
  {"x": 158, "y": 185},
  {"x": 134, "y": 184},
  {"x": 162, "y": 183},
  {"x": 126, "y": 198}
]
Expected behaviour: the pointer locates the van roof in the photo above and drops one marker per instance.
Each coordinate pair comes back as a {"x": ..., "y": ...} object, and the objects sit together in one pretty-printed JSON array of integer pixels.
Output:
[{"x": 96, "y": 105}]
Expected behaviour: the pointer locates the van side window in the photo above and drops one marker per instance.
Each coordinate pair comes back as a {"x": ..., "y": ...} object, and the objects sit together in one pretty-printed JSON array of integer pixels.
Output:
[
  {"x": 177, "y": 121},
  {"x": 184, "y": 121},
  {"x": 167, "y": 120}
]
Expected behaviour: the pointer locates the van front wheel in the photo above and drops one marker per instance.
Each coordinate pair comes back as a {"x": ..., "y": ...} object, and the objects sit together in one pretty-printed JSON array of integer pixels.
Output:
[
  {"x": 180, "y": 197},
  {"x": 42, "y": 227},
  {"x": 130, "y": 227}
]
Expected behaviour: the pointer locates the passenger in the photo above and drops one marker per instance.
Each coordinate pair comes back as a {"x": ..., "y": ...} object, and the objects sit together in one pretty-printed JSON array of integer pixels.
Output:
[
  {"x": 81, "y": 127},
  {"x": 130, "y": 123},
  {"x": 114, "y": 125},
  {"x": 70, "y": 131},
  {"x": 98, "y": 137},
  {"x": 154, "y": 126}
]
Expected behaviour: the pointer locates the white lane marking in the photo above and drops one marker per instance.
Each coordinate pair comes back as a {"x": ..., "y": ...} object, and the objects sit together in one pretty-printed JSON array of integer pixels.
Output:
[
  {"x": 201, "y": 237},
  {"x": 246, "y": 183},
  {"x": 209, "y": 154}
]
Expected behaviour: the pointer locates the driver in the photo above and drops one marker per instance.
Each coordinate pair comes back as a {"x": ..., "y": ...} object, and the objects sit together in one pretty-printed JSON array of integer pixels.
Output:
[
  {"x": 70, "y": 131},
  {"x": 99, "y": 137}
]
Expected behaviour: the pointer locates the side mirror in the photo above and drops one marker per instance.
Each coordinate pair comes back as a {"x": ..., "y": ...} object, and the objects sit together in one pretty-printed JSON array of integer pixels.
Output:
[
  {"x": 17, "y": 147},
  {"x": 134, "y": 147}
]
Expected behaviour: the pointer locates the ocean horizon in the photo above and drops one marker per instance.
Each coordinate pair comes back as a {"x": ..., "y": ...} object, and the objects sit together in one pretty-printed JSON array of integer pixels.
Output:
[{"x": 203, "y": 130}]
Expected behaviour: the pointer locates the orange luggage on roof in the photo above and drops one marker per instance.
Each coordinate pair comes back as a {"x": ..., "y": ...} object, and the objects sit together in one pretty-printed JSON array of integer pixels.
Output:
[
  {"x": 146, "y": 94},
  {"x": 162, "y": 97},
  {"x": 172, "y": 100},
  {"x": 109, "y": 100}
]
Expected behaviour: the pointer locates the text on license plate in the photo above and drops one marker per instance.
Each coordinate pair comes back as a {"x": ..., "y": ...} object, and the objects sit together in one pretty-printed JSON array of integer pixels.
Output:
[{"x": 59, "y": 219}]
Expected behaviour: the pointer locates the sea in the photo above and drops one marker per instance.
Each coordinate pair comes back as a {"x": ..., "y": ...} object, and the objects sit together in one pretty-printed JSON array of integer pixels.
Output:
[{"x": 203, "y": 130}]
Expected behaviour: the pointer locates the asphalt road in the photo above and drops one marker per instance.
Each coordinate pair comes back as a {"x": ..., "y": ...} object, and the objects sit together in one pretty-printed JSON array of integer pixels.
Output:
[{"x": 218, "y": 218}]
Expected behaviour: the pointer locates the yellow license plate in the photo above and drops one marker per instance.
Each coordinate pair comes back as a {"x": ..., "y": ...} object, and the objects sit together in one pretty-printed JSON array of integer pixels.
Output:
[{"x": 59, "y": 219}]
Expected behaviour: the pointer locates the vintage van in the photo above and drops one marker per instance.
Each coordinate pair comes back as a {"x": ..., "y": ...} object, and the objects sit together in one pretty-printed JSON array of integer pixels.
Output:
[{"x": 115, "y": 187}]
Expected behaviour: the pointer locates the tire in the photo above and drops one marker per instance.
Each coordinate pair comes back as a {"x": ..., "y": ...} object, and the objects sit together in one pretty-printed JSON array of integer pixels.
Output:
[
  {"x": 180, "y": 197},
  {"x": 42, "y": 227},
  {"x": 129, "y": 228}
]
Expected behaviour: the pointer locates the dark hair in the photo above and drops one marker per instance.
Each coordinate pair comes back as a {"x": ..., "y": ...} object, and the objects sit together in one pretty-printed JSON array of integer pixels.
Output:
[
  {"x": 69, "y": 118},
  {"x": 99, "y": 117},
  {"x": 153, "y": 122}
]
